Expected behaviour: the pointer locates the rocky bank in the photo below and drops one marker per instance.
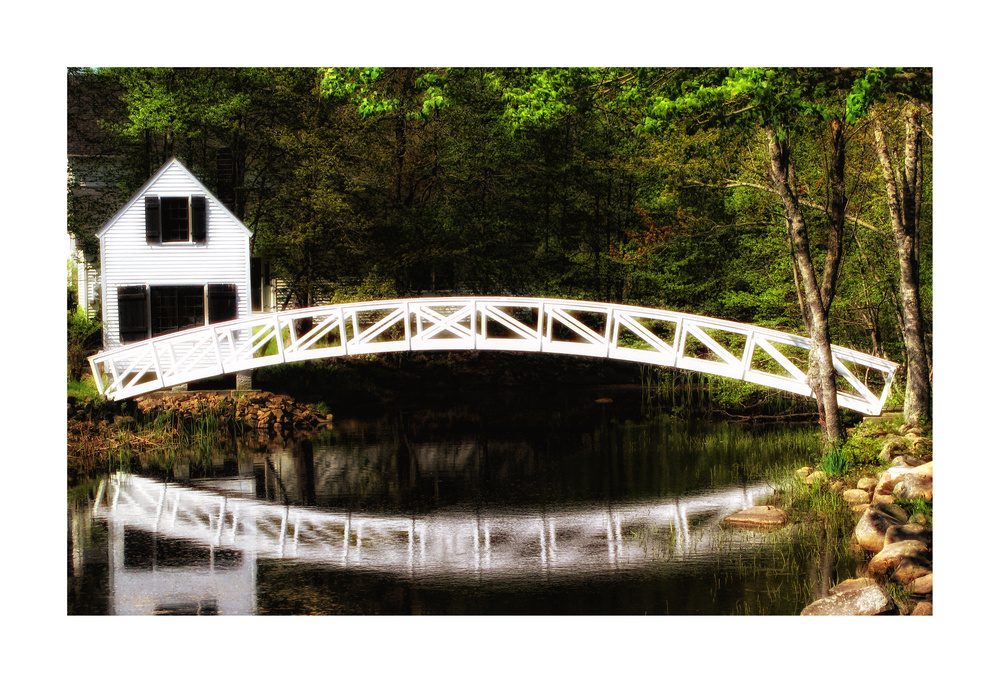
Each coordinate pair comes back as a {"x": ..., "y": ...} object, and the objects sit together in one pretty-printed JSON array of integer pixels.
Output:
[
  {"x": 898, "y": 545},
  {"x": 96, "y": 431},
  {"x": 261, "y": 410}
]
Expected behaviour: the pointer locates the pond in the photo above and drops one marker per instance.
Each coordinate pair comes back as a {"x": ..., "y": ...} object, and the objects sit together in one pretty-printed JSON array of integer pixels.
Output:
[{"x": 590, "y": 502}]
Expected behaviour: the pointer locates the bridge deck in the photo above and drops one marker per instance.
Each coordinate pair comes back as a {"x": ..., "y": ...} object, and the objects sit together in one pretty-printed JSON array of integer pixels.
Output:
[{"x": 644, "y": 335}]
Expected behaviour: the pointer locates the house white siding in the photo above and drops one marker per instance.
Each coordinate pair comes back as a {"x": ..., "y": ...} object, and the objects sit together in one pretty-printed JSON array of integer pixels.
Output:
[{"x": 127, "y": 258}]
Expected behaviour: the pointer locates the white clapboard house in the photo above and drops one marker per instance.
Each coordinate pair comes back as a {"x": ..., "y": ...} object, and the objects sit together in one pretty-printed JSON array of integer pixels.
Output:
[{"x": 173, "y": 257}]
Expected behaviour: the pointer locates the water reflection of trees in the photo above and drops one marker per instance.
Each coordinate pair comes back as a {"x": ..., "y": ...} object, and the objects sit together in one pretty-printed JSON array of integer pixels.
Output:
[{"x": 425, "y": 460}]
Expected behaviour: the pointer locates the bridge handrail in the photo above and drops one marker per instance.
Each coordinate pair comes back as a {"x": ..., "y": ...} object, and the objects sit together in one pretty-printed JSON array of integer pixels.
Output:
[{"x": 462, "y": 323}]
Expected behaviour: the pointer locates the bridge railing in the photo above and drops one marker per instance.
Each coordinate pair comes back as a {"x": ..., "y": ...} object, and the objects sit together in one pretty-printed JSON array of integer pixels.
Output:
[{"x": 584, "y": 328}]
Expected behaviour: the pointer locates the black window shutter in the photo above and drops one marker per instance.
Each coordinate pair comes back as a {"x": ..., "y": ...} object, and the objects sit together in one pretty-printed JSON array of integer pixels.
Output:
[
  {"x": 132, "y": 305},
  {"x": 153, "y": 220},
  {"x": 198, "y": 219},
  {"x": 221, "y": 303}
]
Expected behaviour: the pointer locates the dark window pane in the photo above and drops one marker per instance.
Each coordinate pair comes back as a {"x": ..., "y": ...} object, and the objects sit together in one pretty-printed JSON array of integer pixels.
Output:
[
  {"x": 221, "y": 303},
  {"x": 176, "y": 308},
  {"x": 132, "y": 313},
  {"x": 174, "y": 219}
]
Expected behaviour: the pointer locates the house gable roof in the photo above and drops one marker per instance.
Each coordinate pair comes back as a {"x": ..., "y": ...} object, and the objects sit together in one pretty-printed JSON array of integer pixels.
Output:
[{"x": 171, "y": 162}]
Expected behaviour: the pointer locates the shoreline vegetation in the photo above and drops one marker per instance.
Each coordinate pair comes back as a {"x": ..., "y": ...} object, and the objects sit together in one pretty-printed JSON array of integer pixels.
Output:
[
  {"x": 832, "y": 496},
  {"x": 299, "y": 399},
  {"x": 871, "y": 505}
]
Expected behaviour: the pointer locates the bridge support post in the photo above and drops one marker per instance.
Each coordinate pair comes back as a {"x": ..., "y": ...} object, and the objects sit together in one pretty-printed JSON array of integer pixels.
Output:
[{"x": 243, "y": 382}]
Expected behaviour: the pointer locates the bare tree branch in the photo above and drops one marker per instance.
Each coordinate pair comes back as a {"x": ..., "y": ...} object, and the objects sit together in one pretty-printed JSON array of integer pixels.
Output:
[{"x": 853, "y": 219}]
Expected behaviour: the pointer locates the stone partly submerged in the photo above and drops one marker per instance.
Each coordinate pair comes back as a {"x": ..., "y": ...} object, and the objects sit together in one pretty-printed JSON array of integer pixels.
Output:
[
  {"x": 758, "y": 517},
  {"x": 855, "y": 597}
]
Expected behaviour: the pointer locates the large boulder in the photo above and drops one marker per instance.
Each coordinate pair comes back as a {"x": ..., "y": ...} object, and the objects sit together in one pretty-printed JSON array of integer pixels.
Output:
[
  {"x": 875, "y": 521},
  {"x": 856, "y": 496},
  {"x": 849, "y": 585},
  {"x": 817, "y": 478},
  {"x": 867, "y": 484},
  {"x": 917, "y": 484},
  {"x": 892, "y": 476},
  {"x": 912, "y": 568},
  {"x": 908, "y": 460},
  {"x": 892, "y": 447},
  {"x": 908, "y": 555},
  {"x": 863, "y": 598},
  {"x": 920, "y": 447},
  {"x": 922, "y": 586},
  {"x": 886, "y": 499}
]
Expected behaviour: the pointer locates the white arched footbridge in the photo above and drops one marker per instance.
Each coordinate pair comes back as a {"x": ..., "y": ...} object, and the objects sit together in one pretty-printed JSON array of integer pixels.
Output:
[{"x": 583, "y": 328}]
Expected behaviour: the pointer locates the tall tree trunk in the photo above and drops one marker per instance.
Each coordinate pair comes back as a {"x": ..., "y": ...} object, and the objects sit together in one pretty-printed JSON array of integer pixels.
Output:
[
  {"x": 821, "y": 376},
  {"x": 903, "y": 196}
]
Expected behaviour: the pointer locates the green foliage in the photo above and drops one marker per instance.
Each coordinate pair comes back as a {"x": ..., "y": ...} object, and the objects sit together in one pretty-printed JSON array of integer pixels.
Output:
[
  {"x": 83, "y": 390},
  {"x": 382, "y": 182},
  {"x": 835, "y": 462},
  {"x": 374, "y": 94},
  {"x": 867, "y": 90},
  {"x": 729, "y": 394},
  {"x": 790, "y": 99},
  {"x": 866, "y": 441},
  {"x": 83, "y": 339},
  {"x": 373, "y": 287},
  {"x": 919, "y": 507},
  {"x": 537, "y": 97}
]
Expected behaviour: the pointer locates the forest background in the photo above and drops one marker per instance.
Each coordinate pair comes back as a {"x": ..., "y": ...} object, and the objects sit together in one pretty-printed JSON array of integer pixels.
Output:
[{"x": 795, "y": 198}]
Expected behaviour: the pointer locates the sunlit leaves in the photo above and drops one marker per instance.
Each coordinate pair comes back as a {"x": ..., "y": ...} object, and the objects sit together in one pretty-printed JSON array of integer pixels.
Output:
[
  {"x": 540, "y": 96},
  {"x": 867, "y": 90},
  {"x": 374, "y": 94},
  {"x": 152, "y": 104},
  {"x": 178, "y": 102},
  {"x": 785, "y": 98}
]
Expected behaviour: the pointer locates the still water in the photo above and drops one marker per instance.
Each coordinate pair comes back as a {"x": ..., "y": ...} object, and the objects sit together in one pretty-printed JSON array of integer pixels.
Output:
[{"x": 589, "y": 502}]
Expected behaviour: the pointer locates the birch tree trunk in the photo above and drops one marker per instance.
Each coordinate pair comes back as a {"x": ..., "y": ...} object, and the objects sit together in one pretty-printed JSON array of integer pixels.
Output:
[
  {"x": 821, "y": 376},
  {"x": 903, "y": 195}
]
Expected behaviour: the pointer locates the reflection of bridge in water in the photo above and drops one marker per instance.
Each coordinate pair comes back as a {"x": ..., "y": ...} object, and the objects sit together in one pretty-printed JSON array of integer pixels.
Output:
[{"x": 457, "y": 544}]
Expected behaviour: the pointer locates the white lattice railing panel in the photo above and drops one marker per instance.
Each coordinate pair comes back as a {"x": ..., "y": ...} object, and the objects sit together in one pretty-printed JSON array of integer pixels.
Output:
[{"x": 584, "y": 328}]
